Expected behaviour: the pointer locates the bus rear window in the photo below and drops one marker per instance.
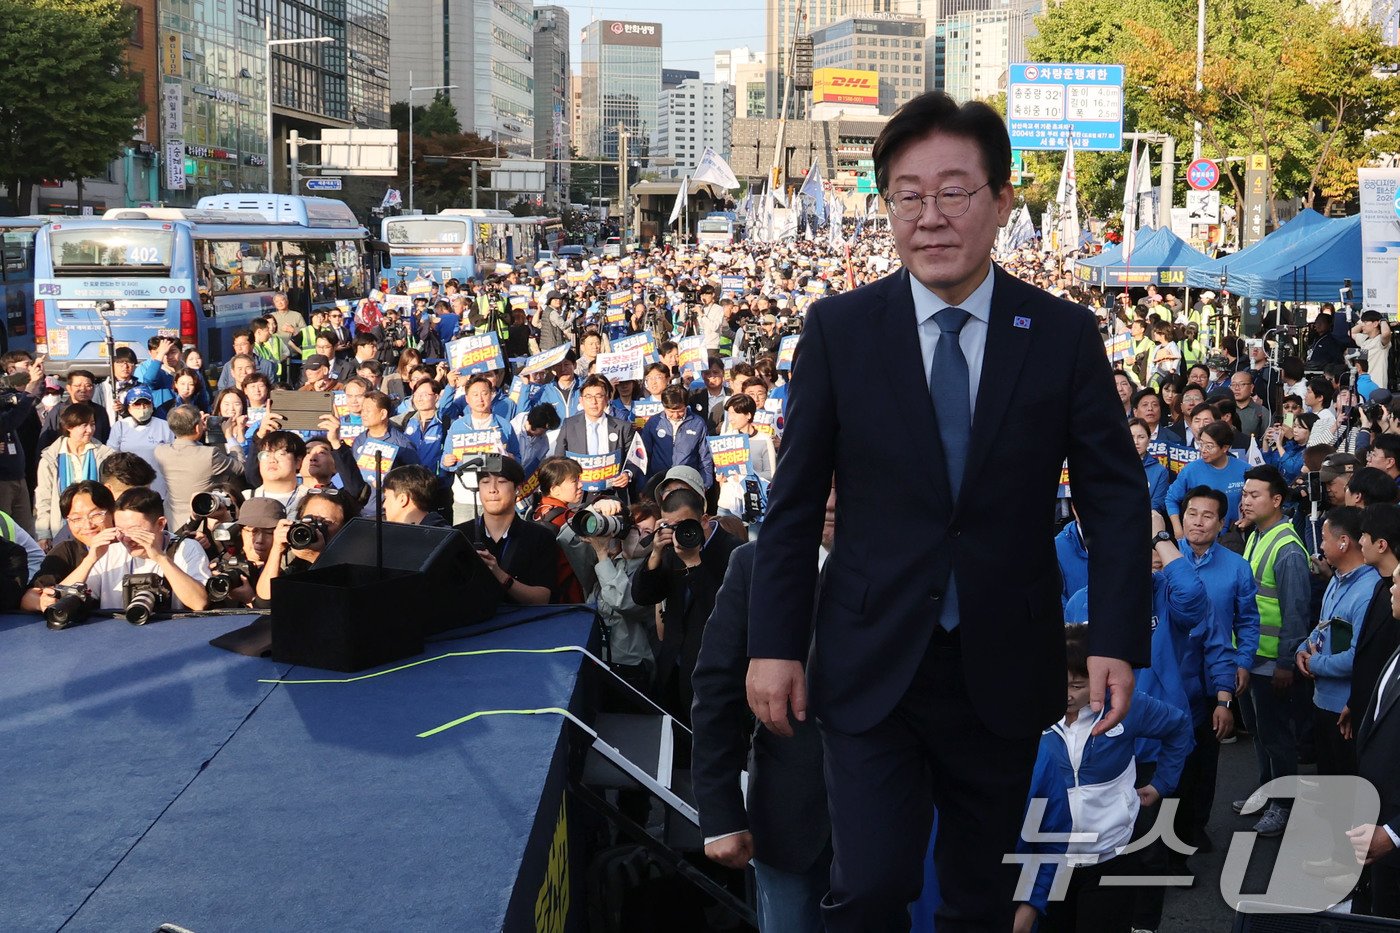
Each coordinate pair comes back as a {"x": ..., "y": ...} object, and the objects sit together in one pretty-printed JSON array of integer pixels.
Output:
[
  {"x": 116, "y": 248},
  {"x": 411, "y": 232}
]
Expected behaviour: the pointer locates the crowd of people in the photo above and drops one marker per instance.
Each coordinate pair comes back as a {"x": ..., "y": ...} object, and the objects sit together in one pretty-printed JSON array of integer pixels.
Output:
[{"x": 1272, "y": 474}]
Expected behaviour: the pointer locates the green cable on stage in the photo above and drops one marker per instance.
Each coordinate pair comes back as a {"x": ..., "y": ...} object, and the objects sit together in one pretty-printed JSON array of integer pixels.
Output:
[
  {"x": 442, "y": 657},
  {"x": 495, "y": 712}
]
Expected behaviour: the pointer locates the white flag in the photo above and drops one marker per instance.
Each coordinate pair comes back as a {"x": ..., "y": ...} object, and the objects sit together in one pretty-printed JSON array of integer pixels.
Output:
[
  {"x": 1067, "y": 198},
  {"x": 713, "y": 168},
  {"x": 681, "y": 196},
  {"x": 392, "y": 198}
]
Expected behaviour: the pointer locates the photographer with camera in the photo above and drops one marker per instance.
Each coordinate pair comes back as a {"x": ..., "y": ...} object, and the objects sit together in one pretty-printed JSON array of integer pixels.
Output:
[
  {"x": 139, "y": 546},
  {"x": 298, "y": 542},
  {"x": 189, "y": 465},
  {"x": 689, "y": 556},
  {"x": 628, "y": 625},
  {"x": 87, "y": 507}
]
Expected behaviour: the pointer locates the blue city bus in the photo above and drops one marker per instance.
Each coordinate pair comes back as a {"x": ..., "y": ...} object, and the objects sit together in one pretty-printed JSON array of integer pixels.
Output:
[
  {"x": 198, "y": 275},
  {"x": 456, "y": 244},
  {"x": 17, "y": 236}
]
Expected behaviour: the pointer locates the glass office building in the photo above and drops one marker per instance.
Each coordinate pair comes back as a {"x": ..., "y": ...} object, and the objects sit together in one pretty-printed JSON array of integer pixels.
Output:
[{"x": 621, "y": 75}]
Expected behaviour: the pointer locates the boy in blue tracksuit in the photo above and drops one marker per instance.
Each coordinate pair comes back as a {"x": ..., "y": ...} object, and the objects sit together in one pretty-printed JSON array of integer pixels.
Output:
[
  {"x": 1072, "y": 553},
  {"x": 1098, "y": 775}
]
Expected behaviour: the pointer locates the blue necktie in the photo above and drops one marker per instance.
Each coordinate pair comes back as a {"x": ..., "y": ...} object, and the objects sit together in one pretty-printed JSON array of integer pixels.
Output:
[{"x": 948, "y": 384}]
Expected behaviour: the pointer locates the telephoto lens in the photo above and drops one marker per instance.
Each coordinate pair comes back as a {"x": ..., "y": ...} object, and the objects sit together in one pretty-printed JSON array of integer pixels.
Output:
[
  {"x": 205, "y": 504},
  {"x": 589, "y": 524},
  {"x": 142, "y": 605},
  {"x": 688, "y": 534}
]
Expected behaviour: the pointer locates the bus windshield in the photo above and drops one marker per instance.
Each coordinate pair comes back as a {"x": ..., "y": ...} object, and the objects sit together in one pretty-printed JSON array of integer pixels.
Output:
[
  {"x": 405, "y": 232},
  {"x": 714, "y": 226},
  {"x": 84, "y": 249}
]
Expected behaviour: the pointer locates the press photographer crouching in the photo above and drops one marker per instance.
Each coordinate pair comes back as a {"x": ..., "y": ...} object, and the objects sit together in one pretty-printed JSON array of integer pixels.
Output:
[
  {"x": 244, "y": 546},
  {"x": 297, "y": 542},
  {"x": 136, "y": 567},
  {"x": 87, "y": 507}
]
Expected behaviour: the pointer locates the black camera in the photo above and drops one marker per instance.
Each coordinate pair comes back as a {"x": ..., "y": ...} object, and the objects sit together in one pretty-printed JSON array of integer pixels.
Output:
[
  {"x": 753, "y": 500},
  {"x": 144, "y": 595},
  {"x": 590, "y": 524},
  {"x": 304, "y": 532},
  {"x": 224, "y": 532},
  {"x": 73, "y": 605},
  {"x": 688, "y": 534},
  {"x": 205, "y": 504},
  {"x": 228, "y": 573}
]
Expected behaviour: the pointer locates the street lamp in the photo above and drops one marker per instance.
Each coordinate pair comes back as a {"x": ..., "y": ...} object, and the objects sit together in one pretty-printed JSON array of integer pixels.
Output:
[
  {"x": 411, "y": 89},
  {"x": 268, "y": 43}
]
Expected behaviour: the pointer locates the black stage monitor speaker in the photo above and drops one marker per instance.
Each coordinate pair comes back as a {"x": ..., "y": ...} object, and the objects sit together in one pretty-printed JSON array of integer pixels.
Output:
[
  {"x": 341, "y": 615},
  {"x": 461, "y": 590},
  {"x": 1326, "y": 922}
]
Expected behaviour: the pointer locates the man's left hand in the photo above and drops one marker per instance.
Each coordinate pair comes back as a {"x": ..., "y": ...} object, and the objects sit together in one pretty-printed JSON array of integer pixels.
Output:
[
  {"x": 142, "y": 543},
  {"x": 1112, "y": 679},
  {"x": 1222, "y": 722},
  {"x": 1370, "y": 842}
]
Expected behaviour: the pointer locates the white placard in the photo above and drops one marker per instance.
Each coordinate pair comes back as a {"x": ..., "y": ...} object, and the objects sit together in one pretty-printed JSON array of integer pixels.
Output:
[
  {"x": 1203, "y": 207},
  {"x": 175, "y": 164}
]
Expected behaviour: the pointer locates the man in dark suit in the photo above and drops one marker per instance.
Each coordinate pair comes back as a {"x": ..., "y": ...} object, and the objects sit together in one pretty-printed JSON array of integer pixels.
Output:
[
  {"x": 1378, "y": 759},
  {"x": 686, "y": 577},
  {"x": 594, "y": 431},
  {"x": 784, "y": 828},
  {"x": 939, "y": 650}
]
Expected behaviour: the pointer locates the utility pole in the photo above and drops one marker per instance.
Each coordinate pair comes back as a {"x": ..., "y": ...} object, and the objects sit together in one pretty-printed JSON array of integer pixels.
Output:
[
  {"x": 622, "y": 193},
  {"x": 789, "y": 77},
  {"x": 1164, "y": 196}
]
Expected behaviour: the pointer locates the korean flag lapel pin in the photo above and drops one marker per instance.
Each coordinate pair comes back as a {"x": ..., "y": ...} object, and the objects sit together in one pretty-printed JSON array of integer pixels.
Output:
[{"x": 1023, "y": 323}]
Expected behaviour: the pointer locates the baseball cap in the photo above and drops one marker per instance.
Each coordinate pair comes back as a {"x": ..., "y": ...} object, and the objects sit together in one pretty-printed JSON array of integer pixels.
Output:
[
  {"x": 688, "y": 475},
  {"x": 510, "y": 469},
  {"x": 139, "y": 394},
  {"x": 1338, "y": 465},
  {"x": 261, "y": 512},
  {"x": 769, "y": 319},
  {"x": 316, "y": 361},
  {"x": 1380, "y": 396}
]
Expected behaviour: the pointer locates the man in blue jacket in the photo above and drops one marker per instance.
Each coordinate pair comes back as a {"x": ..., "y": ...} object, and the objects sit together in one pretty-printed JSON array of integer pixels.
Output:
[
  {"x": 1072, "y": 552},
  {"x": 1231, "y": 643},
  {"x": 677, "y": 437}
]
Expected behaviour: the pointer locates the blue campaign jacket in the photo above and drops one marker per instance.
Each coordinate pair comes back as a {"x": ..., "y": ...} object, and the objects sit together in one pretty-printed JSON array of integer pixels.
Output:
[
  {"x": 463, "y": 425},
  {"x": 427, "y": 441},
  {"x": 1179, "y": 607},
  {"x": 566, "y": 403},
  {"x": 1159, "y": 480},
  {"x": 1101, "y": 792},
  {"x": 1231, "y": 589},
  {"x": 1074, "y": 562},
  {"x": 686, "y": 445}
]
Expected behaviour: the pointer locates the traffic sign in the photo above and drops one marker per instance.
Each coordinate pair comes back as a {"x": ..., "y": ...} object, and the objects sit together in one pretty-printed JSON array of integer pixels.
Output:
[
  {"x": 1203, "y": 174},
  {"x": 1054, "y": 105},
  {"x": 323, "y": 184}
]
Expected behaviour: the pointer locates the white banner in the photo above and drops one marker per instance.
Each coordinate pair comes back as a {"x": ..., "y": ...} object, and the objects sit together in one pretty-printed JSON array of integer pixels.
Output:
[
  {"x": 175, "y": 164},
  {"x": 172, "y": 112},
  {"x": 1203, "y": 207},
  {"x": 1380, "y": 240}
]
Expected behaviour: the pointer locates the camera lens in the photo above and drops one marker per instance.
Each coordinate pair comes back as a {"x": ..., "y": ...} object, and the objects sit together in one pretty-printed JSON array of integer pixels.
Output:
[
  {"x": 65, "y": 612},
  {"x": 689, "y": 534},
  {"x": 219, "y": 586},
  {"x": 141, "y": 606},
  {"x": 302, "y": 534}
]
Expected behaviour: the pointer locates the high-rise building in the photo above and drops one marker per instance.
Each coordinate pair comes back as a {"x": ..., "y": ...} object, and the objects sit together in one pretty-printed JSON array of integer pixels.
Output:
[
  {"x": 889, "y": 44},
  {"x": 750, "y": 89},
  {"x": 552, "y": 99},
  {"x": 979, "y": 45},
  {"x": 621, "y": 71},
  {"x": 727, "y": 60},
  {"x": 691, "y": 118},
  {"x": 485, "y": 48},
  {"x": 783, "y": 25},
  {"x": 671, "y": 78}
]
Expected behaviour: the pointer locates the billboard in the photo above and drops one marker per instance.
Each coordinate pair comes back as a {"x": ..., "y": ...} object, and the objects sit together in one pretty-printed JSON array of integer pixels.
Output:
[
  {"x": 1051, "y": 105},
  {"x": 845, "y": 86},
  {"x": 624, "y": 32},
  {"x": 1380, "y": 240}
]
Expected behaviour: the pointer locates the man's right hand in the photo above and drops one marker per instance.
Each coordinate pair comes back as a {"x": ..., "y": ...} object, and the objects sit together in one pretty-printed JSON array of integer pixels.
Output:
[
  {"x": 271, "y": 422},
  {"x": 772, "y": 684},
  {"x": 1283, "y": 678},
  {"x": 731, "y": 851},
  {"x": 101, "y": 541}
]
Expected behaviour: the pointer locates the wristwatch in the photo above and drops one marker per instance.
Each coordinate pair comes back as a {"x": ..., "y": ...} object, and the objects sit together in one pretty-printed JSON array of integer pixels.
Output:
[
  {"x": 1163, "y": 537},
  {"x": 510, "y": 582},
  {"x": 1224, "y": 704}
]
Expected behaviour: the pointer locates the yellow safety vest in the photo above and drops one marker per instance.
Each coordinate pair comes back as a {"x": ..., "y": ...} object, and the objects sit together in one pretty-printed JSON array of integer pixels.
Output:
[{"x": 1262, "y": 551}]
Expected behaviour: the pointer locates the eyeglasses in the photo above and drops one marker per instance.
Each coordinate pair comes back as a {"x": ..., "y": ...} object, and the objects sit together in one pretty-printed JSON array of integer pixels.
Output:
[
  {"x": 951, "y": 202},
  {"x": 595, "y": 396},
  {"x": 91, "y": 518}
]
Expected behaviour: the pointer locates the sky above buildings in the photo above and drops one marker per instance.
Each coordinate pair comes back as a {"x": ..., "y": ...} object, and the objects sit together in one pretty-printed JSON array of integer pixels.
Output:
[{"x": 692, "y": 30}]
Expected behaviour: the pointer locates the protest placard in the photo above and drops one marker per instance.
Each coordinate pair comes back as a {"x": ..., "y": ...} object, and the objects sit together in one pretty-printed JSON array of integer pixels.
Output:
[
  {"x": 643, "y": 340},
  {"x": 1118, "y": 347},
  {"x": 787, "y": 349},
  {"x": 692, "y": 357},
  {"x": 730, "y": 453},
  {"x": 620, "y": 366},
  {"x": 400, "y": 303},
  {"x": 545, "y": 359},
  {"x": 475, "y": 354},
  {"x": 464, "y": 444},
  {"x": 419, "y": 287},
  {"x": 366, "y": 460},
  {"x": 644, "y": 410},
  {"x": 768, "y": 422},
  {"x": 598, "y": 469}
]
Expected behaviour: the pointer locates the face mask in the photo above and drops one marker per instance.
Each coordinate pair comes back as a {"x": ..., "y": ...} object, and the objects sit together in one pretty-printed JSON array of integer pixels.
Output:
[
  {"x": 49, "y": 401},
  {"x": 141, "y": 414}
]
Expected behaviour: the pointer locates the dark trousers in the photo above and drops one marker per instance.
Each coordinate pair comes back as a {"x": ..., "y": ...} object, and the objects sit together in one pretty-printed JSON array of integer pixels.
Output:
[
  {"x": 1385, "y": 888},
  {"x": 1196, "y": 789},
  {"x": 1335, "y": 755},
  {"x": 1275, "y": 747},
  {"x": 1091, "y": 907},
  {"x": 883, "y": 785}
]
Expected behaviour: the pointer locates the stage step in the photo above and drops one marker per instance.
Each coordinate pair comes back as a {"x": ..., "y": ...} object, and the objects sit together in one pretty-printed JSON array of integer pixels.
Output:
[{"x": 647, "y": 740}]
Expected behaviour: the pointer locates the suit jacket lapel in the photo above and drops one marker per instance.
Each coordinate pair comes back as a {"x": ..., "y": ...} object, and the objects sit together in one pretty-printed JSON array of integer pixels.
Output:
[
  {"x": 899, "y": 336},
  {"x": 1368, "y": 725},
  {"x": 1001, "y": 363}
]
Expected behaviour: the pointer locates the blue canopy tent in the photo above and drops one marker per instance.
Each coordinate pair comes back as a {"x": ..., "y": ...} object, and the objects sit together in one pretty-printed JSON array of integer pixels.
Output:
[
  {"x": 1314, "y": 267},
  {"x": 1159, "y": 258},
  {"x": 1086, "y": 269},
  {"x": 1208, "y": 274}
]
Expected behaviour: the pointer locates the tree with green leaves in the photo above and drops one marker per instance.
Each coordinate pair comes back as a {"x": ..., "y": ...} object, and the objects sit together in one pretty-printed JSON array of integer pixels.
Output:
[
  {"x": 1281, "y": 77},
  {"x": 69, "y": 101},
  {"x": 438, "y": 118}
]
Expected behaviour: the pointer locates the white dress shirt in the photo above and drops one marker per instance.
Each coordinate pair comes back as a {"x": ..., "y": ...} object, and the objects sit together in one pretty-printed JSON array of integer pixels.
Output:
[{"x": 972, "y": 339}]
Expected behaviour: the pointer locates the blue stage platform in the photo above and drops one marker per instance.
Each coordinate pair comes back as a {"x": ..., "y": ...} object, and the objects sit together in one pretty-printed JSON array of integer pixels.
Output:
[{"x": 147, "y": 777}]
